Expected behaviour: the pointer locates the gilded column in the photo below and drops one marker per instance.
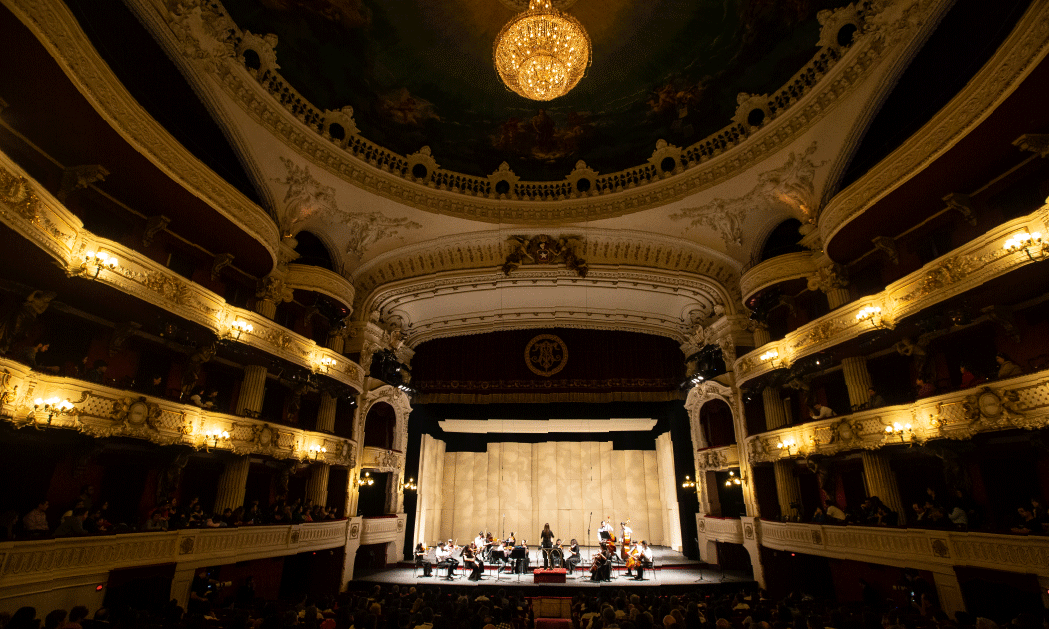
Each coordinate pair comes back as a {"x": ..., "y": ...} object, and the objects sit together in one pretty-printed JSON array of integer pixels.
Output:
[
  {"x": 270, "y": 292},
  {"x": 317, "y": 486},
  {"x": 232, "y": 483},
  {"x": 326, "y": 413},
  {"x": 787, "y": 488},
  {"x": 880, "y": 481},
  {"x": 252, "y": 389},
  {"x": 857, "y": 379},
  {"x": 775, "y": 417}
]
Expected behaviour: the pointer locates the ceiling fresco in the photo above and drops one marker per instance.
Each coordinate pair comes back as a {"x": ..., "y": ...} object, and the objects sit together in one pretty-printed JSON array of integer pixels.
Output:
[{"x": 420, "y": 73}]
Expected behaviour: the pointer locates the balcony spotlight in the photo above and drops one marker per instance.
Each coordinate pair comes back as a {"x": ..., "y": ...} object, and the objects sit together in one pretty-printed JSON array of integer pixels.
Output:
[
  {"x": 52, "y": 406},
  {"x": 787, "y": 444},
  {"x": 689, "y": 483},
  {"x": 366, "y": 479},
  {"x": 327, "y": 363},
  {"x": 1031, "y": 244},
  {"x": 872, "y": 314},
  {"x": 769, "y": 355}
]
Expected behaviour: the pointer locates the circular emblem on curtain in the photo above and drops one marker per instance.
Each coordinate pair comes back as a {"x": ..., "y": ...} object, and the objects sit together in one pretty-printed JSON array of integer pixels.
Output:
[{"x": 546, "y": 355}]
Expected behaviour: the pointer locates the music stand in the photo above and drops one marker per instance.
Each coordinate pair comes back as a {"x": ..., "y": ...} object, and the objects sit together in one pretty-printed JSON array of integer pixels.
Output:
[{"x": 519, "y": 554}]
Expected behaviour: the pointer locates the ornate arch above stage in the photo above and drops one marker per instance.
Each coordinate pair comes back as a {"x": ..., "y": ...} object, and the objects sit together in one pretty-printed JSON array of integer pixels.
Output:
[
  {"x": 398, "y": 400},
  {"x": 700, "y": 395}
]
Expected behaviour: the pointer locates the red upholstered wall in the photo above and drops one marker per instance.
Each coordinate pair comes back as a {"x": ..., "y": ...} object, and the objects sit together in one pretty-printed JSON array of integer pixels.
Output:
[{"x": 597, "y": 360}]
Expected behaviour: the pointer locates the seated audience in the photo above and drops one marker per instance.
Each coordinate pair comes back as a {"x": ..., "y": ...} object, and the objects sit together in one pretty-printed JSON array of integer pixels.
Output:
[
  {"x": 834, "y": 513},
  {"x": 874, "y": 399},
  {"x": 156, "y": 522},
  {"x": 33, "y": 358},
  {"x": 97, "y": 373},
  {"x": 925, "y": 388},
  {"x": 969, "y": 379}
]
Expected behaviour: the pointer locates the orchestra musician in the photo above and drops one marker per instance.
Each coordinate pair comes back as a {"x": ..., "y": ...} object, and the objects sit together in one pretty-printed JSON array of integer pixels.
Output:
[
  {"x": 601, "y": 568},
  {"x": 644, "y": 557},
  {"x": 473, "y": 561},
  {"x": 547, "y": 544},
  {"x": 421, "y": 560},
  {"x": 479, "y": 542},
  {"x": 605, "y": 532},
  {"x": 445, "y": 559},
  {"x": 574, "y": 557},
  {"x": 522, "y": 564},
  {"x": 500, "y": 554},
  {"x": 627, "y": 533}
]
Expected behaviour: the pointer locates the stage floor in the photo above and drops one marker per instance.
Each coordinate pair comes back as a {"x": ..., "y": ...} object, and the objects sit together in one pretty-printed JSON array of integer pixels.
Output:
[{"x": 671, "y": 568}]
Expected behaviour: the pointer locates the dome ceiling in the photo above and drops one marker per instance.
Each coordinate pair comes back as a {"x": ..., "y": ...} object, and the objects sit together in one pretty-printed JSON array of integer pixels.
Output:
[{"x": 420, "y": 74}]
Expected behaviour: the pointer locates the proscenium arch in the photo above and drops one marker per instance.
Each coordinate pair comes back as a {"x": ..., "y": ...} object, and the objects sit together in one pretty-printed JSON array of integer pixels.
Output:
[
  {"x": 700, "y": 395},
  {"x": 398, "y": 401}
]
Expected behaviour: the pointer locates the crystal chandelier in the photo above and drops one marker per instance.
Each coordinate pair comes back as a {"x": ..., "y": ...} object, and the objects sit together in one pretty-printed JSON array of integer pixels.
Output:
[{"x": 542, "y": 53}]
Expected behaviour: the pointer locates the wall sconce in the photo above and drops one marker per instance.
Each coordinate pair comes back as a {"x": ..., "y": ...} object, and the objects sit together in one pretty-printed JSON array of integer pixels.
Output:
[
  {"x": 239, "y": 327},
  {"x": 769, "y": 355},
  {"x": 52, "y": 406},
  {"x": 326, "y": 363},
  {"x": 215, "y": 436},
  {"x": 689, "y": 483},
  {"x": 735, "y": 480},
  {"x": 317, "y": 450},
  {"x": 1028, "y": 242},
  {"x": 872, "y": 314},
  {"x": 101, "y": 260},
  {"x": 787, "y": 444},
  {"x": 899, "y": 429},
  {"x": 366, "y": 479},
  {"x": 409, "y": 486}
]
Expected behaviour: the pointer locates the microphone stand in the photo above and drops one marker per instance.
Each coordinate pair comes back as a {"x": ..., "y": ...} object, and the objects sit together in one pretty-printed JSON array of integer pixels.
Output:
[{"x": 590, "y": 521}]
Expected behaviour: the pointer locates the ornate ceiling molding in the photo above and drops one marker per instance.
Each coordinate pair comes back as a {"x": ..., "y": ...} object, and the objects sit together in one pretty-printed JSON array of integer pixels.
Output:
[
  {"x": 1022, "y": 51},
  {"x": 205, "y": 35},
  {"x": 488, "y": 250},
  {"x": 663, "y": 303},
  {"x": 52, "y": 23}
]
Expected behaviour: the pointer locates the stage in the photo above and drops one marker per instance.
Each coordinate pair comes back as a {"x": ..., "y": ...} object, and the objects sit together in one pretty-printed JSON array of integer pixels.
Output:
[{"x": 670, "y": 569}]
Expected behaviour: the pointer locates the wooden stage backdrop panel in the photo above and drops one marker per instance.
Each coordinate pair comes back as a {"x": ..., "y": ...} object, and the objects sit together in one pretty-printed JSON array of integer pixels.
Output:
[{"x": 531, "y": 484}]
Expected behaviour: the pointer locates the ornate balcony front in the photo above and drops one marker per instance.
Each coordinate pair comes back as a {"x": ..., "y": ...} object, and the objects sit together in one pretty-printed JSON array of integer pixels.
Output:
[
  {"x": 383, "y": 529},
  {"x": 975, "y": 263},
  {"x": 728, "y": 530},
  {"x": 28, "y": 209},
  {"x": 1020, "y": 402},
  {"x": 102, "y": 411},
  {"x": 320, "y": 280},
  {"x": 790, "y": 266},
  {"x": 715, "y": 459},
  {"x": 28, "y": 562},
  {"x": 937, "y": 551}
]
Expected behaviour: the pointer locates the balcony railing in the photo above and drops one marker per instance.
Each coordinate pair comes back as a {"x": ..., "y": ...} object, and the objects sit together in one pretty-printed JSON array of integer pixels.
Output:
[
  {"x": 1020, "y": 402},
  {"x": 320, "y": 280},
  {"x": 28, "y": 209},
  {"x": 722, "y": 458},
  {"x": 381, "y": 459},
  {"x": 26, "y": 562},
  {"x": 913, "y": 548},
  {"x": 729, "y": 530},
  {"x": 383, "y": 529},
  {"x": 967, "y": 267},
  {"x": 790, "y": 266},
  {"x": 102, "y": 411}
]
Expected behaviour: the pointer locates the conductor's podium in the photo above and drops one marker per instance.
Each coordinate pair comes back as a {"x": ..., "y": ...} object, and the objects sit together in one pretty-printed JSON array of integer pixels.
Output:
[{"x": 553, "y": 575}]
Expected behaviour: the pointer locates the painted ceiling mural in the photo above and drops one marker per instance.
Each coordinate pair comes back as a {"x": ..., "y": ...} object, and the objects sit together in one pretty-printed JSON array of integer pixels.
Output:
[{"x": 419, "y": 73}]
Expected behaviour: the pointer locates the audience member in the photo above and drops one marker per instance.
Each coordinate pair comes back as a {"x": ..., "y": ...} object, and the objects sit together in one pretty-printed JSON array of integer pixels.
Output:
[
  {"x": 969, "y": 379},
  {"x": 73, "y": 525},
  {"x": 54, "y": 619},
  {"x": 76, "y": 615},
  {"x": 834, "y": 513},
  {"x": 1006, "y": 367},
  {"x": 819, "y": 411},
  {"x": 925, "y": 388},
  {"x": 32, "y": 357},
  {"x": 97, "y": 373},
  {"x": 35, "y": 522}
]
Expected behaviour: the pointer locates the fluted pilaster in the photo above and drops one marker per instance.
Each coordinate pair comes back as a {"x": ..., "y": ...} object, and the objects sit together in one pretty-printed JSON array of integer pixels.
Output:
[
  {"x": 838, "y": 297},
  {"x": 232, "y": 483},
  {"x": 787, "y": 488},
  {"x": 761, "y": 336},
  {"x": 266, "y": 308},
  {"x": 326, "y": 413},
  {"x": 317, "y": 486},
  {"x": 335, "y": 343},
  {"x": 773, "y": 403},
  {"x": 881, "y": 481},
  {"x": 252, "y": 389},
  {"x": 857, "y": 379}
]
